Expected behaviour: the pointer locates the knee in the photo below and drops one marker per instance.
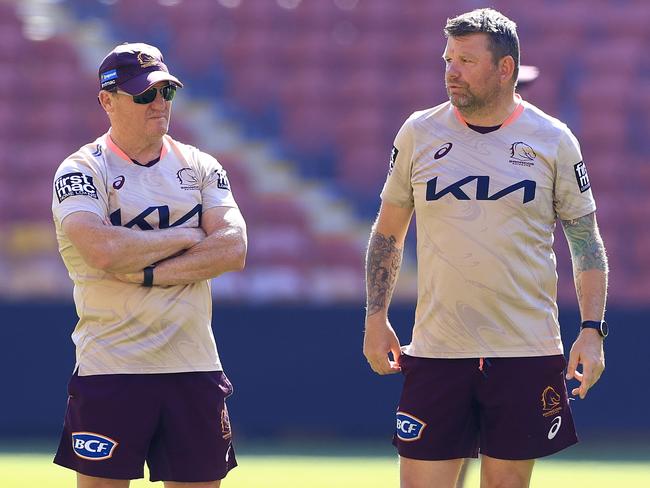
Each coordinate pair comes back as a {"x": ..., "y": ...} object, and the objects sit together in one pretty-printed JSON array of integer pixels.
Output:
[{"x": 505, "y": 480}]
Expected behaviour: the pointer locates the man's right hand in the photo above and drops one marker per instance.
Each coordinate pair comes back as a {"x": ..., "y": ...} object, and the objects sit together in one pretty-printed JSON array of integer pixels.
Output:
[{"x": 380, "y": 340}]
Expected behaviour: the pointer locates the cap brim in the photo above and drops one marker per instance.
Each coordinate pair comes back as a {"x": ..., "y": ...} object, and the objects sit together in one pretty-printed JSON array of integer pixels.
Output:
[
  {"x": 527, "y": 74},
  {"x": 141, "y": 83}
]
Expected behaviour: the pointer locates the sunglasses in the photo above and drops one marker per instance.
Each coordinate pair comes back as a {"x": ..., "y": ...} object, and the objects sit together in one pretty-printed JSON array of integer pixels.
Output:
[{"x": 168, "y": 92}]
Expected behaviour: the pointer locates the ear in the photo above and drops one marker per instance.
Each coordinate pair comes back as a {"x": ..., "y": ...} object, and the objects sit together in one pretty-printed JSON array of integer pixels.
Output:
[
  {"x": 106, "y": 101},
  {"x": 506, "y": 69}
]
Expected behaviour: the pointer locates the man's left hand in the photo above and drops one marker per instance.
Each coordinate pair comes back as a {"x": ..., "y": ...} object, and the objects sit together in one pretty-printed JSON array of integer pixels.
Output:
[{"x": 588, "y": 351}]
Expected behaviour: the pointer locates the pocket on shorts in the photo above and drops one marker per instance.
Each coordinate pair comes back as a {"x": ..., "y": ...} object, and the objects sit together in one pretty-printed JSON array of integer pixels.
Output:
[
  {"x": 221, "y": 381},
  {"x": 404, "y": 361}
]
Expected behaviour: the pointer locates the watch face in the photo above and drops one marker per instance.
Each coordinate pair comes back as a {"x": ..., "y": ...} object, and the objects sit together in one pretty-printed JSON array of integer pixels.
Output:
[{"x": 604, "y": 329}]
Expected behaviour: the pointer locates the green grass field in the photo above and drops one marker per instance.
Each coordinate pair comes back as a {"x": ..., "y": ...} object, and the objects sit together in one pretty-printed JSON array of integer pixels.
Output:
[{"x": 326, "y": 469}]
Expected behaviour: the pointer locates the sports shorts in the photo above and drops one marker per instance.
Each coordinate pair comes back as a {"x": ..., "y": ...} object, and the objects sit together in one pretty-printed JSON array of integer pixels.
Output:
[
  {"x": 178, "y": 423},
  {"x": 505, "y": 408}
]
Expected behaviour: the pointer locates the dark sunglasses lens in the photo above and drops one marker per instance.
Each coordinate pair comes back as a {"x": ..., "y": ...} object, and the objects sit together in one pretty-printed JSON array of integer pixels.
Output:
[
  {"x": 146, "y": 97},
  {"x": 169, "y": 92}
]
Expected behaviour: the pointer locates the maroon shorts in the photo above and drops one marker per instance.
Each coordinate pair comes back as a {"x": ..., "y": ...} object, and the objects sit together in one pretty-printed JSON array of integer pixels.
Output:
[
  {"x": 178, "y": 423},
  {"x": 510, "y": 408}
]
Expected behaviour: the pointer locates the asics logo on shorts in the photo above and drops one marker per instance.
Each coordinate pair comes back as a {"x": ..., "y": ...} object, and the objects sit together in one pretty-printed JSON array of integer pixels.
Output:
[
  {"x": 95, "y": 447},
  {"x": 409, "y": 428},
  {"x": 555, "y": 427}
]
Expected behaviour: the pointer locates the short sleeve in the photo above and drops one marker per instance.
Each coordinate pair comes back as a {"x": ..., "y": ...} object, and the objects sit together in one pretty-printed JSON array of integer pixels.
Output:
[
  {"x": 215, "y": 189},
  {"x": 572, "y": 191},
  {"x": 79, "y": 186},
  {"x": 397, "y": 188}
]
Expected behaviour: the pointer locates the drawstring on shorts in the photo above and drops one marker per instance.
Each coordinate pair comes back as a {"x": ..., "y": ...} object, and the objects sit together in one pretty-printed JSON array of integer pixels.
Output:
[{"x": 480, "y": 366}]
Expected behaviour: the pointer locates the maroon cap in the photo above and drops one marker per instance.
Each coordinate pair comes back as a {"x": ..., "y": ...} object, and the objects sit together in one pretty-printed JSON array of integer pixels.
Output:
[{"x": 134, "y": 68}]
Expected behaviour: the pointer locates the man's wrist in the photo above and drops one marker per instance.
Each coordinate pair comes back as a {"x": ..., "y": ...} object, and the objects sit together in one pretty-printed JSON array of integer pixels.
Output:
[
  {"x": 148, "y": 276},
  {"x": 600, "y": 326}
]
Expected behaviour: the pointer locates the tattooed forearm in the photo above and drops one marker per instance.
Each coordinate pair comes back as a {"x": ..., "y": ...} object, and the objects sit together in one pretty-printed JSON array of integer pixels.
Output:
[
  {"x": 383, "y": 261},
  {"x": 587, "y": 249},
  {"x": 589, "y": 265}
]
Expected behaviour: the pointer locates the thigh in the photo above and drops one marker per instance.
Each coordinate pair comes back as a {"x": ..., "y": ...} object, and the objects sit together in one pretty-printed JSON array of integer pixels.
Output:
[
  {"x": 108, "y": 424},
  {"x": 210, "y": 484},
  {"x": 437, "y": 417},
  {"x": 525, "y": 412},
  {"x": 194, "y": 440},
  {"x": 84, "y": 481},
  {"x": 505, "y": 473},
  {"x": 416, "y": 473}
]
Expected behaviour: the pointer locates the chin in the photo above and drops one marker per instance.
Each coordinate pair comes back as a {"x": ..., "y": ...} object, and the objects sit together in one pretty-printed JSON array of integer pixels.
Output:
[{"x": 158, "y": 130}]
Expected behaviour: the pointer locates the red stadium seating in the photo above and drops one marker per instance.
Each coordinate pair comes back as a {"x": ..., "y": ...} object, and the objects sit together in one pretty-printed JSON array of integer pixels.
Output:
[{"x": 343, "y": 76}]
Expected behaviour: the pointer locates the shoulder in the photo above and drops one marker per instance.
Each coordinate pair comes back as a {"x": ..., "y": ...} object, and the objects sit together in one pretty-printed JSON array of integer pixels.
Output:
[
  {"x": 439, "y": 113},
  {"x": 193, "y": 155},
  {"x": 90, "y": 157},
  {"x": 546, "y": 122}
]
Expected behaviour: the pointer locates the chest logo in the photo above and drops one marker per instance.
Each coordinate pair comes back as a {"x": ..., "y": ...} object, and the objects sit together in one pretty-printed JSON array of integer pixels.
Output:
[
  {"x": 119, "y": 182},
  {"x": 482, "y": 189},
  {"x": 443, "y": 150},
  {"x": 521, "y": 154},
  {"x": 188, "y": 179}
]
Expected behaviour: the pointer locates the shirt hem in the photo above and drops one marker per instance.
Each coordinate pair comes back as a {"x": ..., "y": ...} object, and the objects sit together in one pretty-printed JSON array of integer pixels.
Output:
[
  {"x": 481, "y": 354},
  {"x": 81, "y": 371}
]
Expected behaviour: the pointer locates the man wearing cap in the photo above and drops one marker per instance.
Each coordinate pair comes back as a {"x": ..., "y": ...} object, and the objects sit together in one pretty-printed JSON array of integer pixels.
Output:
[{"x": 143, "y": 223}]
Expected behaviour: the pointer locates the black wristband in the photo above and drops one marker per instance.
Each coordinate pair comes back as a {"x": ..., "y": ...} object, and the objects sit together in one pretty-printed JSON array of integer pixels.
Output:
[
  {"x": 600, "y": 326},
  {"x": 148, "y": 277}
]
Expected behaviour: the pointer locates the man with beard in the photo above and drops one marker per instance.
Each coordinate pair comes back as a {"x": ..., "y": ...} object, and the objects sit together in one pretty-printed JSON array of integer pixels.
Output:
[{"x": 487, "y": 175}]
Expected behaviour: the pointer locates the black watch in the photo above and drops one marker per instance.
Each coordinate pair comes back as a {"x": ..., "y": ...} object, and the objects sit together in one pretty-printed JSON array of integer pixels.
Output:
[{"x": 601, "y": 327}]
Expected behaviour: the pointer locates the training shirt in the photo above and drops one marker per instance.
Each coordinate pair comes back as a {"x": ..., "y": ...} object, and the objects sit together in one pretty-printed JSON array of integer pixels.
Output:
[
  {"x": 124, "y": 327},
  {"x": 486, "y": 207}
]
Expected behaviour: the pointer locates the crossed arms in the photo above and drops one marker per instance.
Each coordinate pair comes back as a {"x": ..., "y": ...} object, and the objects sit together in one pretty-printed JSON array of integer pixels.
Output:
[{"x": 183, "y": 255}]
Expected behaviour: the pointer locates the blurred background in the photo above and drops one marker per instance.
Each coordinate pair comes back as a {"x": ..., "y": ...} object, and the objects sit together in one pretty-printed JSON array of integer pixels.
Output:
[{"x": 300, "y": 101}]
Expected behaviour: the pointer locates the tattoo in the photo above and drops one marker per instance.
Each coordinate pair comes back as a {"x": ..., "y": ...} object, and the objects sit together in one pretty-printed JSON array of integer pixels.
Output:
[
  {"x": 587, "y": 248},
  {"x": 383, "y": 261}
]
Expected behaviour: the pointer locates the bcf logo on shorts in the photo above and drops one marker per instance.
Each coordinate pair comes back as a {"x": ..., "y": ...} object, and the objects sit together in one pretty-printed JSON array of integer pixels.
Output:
[
  {"x": 409, "y": 428},
  {"x": 95, "y": 447}
]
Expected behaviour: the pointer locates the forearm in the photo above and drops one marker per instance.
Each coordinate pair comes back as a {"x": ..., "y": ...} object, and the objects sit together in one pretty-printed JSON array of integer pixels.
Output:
[
  {"x": 591, "y": 288},
  {"x": 130, "y": 250},
  {"x": 590, "y": 267},
  {"x": 220, "y": 252},
  {"x": 383, "y": 261},
  {"x": 122, "y": 250}
]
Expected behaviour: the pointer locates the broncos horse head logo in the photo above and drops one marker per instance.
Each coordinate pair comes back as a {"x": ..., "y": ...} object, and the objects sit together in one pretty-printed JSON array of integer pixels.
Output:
[
  {"x": 187, "y": 177},
  {"x": 550, "y": 399},
  {"x": 521, "y": 150}
]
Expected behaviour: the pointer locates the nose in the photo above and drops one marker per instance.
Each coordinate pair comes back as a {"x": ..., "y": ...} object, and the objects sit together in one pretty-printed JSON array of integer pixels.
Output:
[
  {"x": 451, "y": 70},
  {"x": 159, "y": 102}
]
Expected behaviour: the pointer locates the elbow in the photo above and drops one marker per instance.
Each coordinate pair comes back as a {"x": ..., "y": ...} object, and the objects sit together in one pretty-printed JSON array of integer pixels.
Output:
[
  {"x": 101, "y": 257},
  {"x": 240, "y": 257}
]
